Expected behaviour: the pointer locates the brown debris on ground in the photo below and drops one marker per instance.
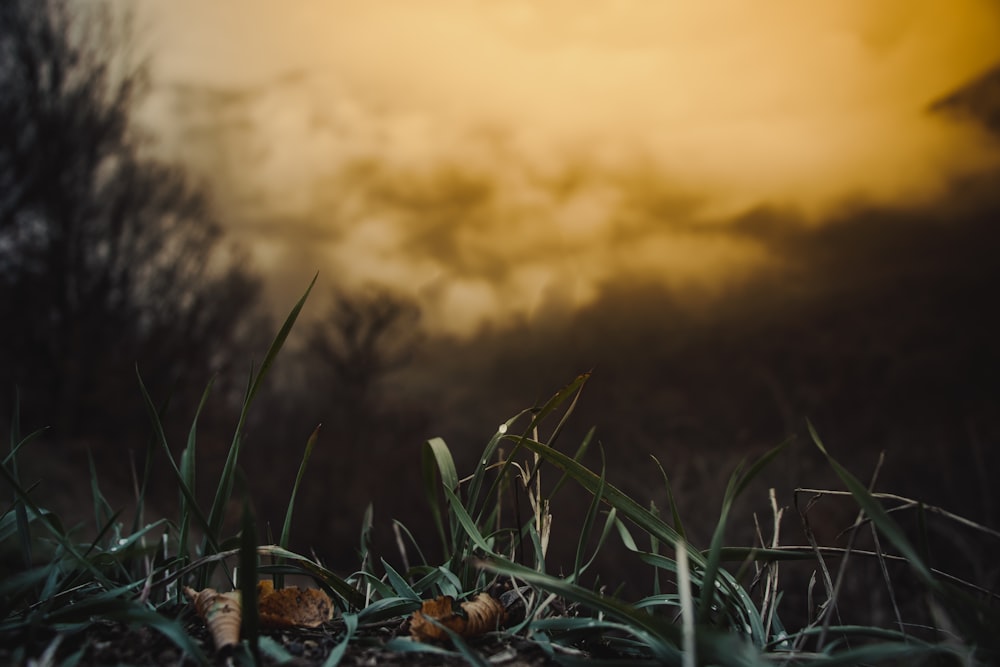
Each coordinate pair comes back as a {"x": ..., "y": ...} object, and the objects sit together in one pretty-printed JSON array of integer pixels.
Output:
[{"x": 116, "y": 643}]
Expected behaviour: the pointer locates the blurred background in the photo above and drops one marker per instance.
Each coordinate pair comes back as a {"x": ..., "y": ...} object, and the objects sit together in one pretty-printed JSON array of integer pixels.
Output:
[{"x": 739, "y": 216}]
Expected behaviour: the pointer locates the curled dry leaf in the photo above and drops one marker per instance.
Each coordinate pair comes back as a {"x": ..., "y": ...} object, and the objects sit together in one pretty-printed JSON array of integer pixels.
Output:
[
  {"x": 292, "y": 606},
  {"x": 473, "y": 617},
  {"x": 222, "y": 613}
]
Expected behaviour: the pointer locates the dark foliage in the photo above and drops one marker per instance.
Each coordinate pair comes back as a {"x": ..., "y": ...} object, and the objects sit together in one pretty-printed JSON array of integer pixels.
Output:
[{"x": 108, "y": 257}]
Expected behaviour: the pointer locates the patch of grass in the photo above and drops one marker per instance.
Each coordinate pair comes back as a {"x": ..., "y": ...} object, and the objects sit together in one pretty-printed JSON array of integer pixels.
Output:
[{"x": 720, "y": 605}]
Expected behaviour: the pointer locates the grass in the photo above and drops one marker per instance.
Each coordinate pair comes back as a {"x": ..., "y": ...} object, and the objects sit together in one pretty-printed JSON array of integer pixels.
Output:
[{"x": 720, "y": 605}]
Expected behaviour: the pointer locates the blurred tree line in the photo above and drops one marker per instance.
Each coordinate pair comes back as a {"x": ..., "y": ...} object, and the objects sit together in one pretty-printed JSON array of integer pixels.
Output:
[
  {"x": 112, "y": 259},
  {"x": 108, "y": 257}
]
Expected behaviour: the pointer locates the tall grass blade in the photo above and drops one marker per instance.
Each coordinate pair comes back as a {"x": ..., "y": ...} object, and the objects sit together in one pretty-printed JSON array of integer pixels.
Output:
[
  {"x": 399, "y": 585},
  {"x": 588, "y": 522},
  {"x": 225, "y": 488},
  {"x": 337, "y": 654},
  {"x": 188, "y": 476},
  {"x": 661, "y": 637},
  {"x": 286, "y": 527},
  {"x": 976, "y": 619},
  {"x": 249, "y": 629},
  {"x": 573, "y": 388},
  {"x": 466, "y": 522},
  {"x": 102, "y": 508},
  {"x": 674, "y": 511},
  {"x": 437, "y": 461},
  {"x": 61, "y": 538},
  {"x": 687, "y": 609},
  {"x": 192, "y": 507}
]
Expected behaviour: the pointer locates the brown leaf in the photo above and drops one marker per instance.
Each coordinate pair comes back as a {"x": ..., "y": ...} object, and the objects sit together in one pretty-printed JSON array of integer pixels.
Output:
[
  {"x": 292, "y": 606},
  {"x": 475, "y": 617},
  {"x": 222, "y": 613}
]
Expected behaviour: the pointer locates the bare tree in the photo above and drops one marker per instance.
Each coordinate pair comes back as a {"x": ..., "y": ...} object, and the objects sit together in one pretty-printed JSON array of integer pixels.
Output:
[
  {"x": 108, "y": 257},
  {"x": 365, "y": 337}
]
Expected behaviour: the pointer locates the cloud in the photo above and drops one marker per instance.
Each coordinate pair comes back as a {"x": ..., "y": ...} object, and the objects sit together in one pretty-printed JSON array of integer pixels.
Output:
[{"x": 491, "y": 159}]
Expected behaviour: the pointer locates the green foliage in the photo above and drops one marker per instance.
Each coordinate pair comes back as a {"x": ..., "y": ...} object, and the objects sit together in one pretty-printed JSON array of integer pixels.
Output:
[{"x": 701, "y": 609}]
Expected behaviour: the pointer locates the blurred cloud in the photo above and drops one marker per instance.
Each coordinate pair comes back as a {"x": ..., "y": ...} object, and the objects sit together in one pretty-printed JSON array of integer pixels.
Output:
[{"x": 497, "y": 159}]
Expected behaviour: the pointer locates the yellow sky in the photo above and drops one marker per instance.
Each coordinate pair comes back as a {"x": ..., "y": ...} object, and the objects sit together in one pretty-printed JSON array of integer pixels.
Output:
[{"x": 497, "y": 158}]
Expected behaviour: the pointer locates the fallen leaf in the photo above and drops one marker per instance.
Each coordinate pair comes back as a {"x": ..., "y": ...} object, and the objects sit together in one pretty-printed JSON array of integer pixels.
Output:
[
  {"x": 475, "y": 617},
  {"x": 222, "y": 613},
  {"x": 292, "y": 606}
]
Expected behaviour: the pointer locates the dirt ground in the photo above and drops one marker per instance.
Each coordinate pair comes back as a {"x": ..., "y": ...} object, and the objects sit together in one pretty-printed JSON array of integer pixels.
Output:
[{"x": 110, "y": 643}]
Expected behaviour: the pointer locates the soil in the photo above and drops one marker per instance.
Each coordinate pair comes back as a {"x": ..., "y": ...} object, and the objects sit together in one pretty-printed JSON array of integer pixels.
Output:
[{"x": 113, "y": 643}]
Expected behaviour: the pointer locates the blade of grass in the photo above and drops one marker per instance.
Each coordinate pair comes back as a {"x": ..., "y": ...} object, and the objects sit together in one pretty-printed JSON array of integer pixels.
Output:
[
  {"x": 61, "y": 538},
  {"x": 399, "y": 584},
  {"x": 661, "y": 638},
  {"x": 188, "y": 475},
  {"x": 466, "y": 522},
  {"x": 249, "y": 628},
  {"x": 102, "y": 508},
  {"x": 286, "y": 527},
  {"x": 192, "y": 504},
  {"x": 225, "y": 487},
  {"x": 337, "y": 654},
  {"x": 687, "y": 609},
  {"x": 437, "y": 461},
  {"x": 574, "y": 387},
  {"x": 674, "y": 512},
  {"x": 588, "y": 521}
]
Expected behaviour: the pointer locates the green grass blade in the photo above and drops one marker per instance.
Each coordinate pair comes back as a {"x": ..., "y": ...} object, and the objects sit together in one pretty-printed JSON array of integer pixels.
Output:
[
  {"x": 399, "y": 585},
  {"x": 743, "y": 480},
  {"x": 225, "y": 487},
  {"x": 573, "y": 388},
  {"x": 624, "y": 504},
  {"x": 479, "y": 475},
  {"x": 102, "y": 508},
  {"x": 61, "y": 538},
  {"x": 250, "y": 627},
  {"x": 471, "y": 656},
  {"x": 588, "y": 521},
  {"x": 466, "y": 522},
  {"x": 343, "y": 589},
  {"x": 192, "y": 507},
  {"x": 135, "y": 614},
  {"x": 387, "y": 608},
  {"x": 437, "y": 461},
  {"x": 674, "y": 512},
  {"x": 873, "y": 508},
  {"x": 337, "y": 654},
  {"x": 977, "y": 620},
  {"x": 188, "y": 475},
  {"x": 279, "y": 340},
  {"x": 286, "y": 527},
  {"x": 661, "y": 637},
  {"x": 365, "y": 541},
  {"x": 737, "y": 484},
  {"x": 578, "y": 456},
  {"x": 413, "y": 541}
]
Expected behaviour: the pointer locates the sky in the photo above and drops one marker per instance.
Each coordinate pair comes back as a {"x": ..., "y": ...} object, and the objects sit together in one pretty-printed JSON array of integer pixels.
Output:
[{"x": 499, "y": 160}]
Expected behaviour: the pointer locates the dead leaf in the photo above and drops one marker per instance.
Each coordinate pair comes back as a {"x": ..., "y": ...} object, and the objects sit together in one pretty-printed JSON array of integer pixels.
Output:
[
  {"x": 222, "y": 613},
  {"x": 475, "y": 617},
  {"x": 292, "y": 606}
]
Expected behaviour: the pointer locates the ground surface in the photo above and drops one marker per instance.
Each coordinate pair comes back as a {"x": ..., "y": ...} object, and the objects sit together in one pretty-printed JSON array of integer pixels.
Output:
[{"x": 110, "y": 643}]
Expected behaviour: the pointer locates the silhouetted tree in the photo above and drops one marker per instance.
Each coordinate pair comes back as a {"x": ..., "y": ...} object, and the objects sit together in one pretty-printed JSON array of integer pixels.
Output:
[
  {"x": 108, "y": 257},
  {"x": 365, "y": 337}
]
